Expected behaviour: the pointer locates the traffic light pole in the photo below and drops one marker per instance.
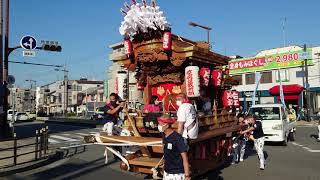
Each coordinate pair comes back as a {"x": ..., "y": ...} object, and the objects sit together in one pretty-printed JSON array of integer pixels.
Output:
[{"x": 4, "y": 125}]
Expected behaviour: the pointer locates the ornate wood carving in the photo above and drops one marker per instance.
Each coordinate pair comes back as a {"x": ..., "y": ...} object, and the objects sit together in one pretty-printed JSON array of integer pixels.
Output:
[{"x": 173, "y": 77}]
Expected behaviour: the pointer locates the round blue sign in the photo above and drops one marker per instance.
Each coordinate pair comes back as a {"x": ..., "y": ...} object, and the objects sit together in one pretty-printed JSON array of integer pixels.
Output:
[{"x": 28, "y": 42}]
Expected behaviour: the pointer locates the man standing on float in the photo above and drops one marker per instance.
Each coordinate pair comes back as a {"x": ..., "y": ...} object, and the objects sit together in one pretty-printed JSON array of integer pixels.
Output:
[{"x": 188, "y": 125}]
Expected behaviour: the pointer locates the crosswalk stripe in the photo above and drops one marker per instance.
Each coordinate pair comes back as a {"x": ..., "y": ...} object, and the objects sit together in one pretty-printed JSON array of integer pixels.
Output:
[
  {"x": 73, "y": 136},
  {"x": 82, "y": 134},
  {"x": 93, "y": 132},
  {"x": 62, "y": 138},
  {"x": 51, "y": 141}
]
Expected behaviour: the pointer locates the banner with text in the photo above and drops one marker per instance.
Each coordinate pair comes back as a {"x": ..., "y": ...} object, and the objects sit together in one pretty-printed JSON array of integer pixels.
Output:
[{"x": 269, "y": 62}]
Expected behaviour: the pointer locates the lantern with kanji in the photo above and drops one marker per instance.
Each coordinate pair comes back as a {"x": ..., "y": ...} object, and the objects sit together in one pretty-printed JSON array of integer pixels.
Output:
[
  {"x": 140, "y": 86},
  {"x": 167, "y": 41},
  {"x": 227, "y": 99},
  {"x": 204, "y": 76},
  {"x": 235, "y": 97},
  {"x": 216, "y": 77},
  {"x": 128, "y": 47},
  {"x": 121, "y": 84},
  {"x": 192, "y": 81}
]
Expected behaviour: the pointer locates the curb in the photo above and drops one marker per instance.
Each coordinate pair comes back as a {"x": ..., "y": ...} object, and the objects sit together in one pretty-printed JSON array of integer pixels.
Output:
[{"x": 31, "y": 165}]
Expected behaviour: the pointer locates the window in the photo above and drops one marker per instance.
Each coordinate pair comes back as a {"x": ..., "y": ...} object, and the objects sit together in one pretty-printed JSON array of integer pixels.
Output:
[
  {"x": 101, "y": 97},
  {"x": 284, "y": 75},
  {"x": 74, "y": 97},
  {"x": 79, "y": 88},
  {"x": 250, "y": 79},
  {"x": 266, "y": 77},
  {"x": 238, "y": 78}
]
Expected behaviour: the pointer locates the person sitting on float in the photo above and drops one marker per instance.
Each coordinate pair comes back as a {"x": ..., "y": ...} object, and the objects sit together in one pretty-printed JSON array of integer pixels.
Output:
[{"x": 153, "y": 106}]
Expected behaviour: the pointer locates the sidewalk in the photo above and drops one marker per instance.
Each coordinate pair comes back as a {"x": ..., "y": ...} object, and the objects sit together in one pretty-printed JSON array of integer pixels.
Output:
[{"x": 306, "y": 123}]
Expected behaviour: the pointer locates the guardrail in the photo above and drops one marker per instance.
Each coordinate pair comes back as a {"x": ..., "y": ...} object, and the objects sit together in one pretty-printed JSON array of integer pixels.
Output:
[{"x": 41, "y": 147}]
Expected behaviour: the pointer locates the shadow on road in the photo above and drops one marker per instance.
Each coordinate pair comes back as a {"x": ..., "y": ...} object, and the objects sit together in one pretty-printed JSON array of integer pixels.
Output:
[{"x": 28, "y": 129}]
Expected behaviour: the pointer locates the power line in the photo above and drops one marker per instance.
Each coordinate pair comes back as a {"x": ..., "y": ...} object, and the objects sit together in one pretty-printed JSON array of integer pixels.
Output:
[{"x": 36, "y": 64}]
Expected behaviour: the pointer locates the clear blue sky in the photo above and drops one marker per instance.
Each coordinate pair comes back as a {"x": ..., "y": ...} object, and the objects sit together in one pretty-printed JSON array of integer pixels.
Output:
[{"x": 85, "y": 28}]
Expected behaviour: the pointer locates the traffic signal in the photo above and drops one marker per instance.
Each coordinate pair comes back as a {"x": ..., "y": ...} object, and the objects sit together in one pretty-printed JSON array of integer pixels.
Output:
[{"x": 51, "y": 46}]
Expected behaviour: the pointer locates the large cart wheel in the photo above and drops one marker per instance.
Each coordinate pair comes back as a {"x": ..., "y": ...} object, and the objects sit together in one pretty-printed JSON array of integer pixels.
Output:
[{"x": 292, "y": 136}]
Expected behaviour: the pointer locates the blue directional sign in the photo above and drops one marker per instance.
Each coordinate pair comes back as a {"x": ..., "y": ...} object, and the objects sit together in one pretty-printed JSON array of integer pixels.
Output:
[{"x": 28, "y": 42}]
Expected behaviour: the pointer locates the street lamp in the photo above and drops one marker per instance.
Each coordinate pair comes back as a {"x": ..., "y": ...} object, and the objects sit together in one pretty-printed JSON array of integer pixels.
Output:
[{"x": 203, "y": 27}]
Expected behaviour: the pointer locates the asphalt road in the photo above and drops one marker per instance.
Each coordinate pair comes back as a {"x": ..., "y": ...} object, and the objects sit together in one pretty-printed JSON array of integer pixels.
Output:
[{"x": 300, "y": 160}]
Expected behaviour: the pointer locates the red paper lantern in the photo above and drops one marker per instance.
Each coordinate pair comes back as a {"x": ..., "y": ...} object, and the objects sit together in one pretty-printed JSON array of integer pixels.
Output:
[
  {"x": 167, "y": 41},
  {"x": 204, "y": 76},
  {"x": 140, "y": 86},
  {"x": 235, "y": 97},
  {"x": 227, "y": 99},
  {"x": 128, "y": 47},
  {"x": 216, "y": 77}
]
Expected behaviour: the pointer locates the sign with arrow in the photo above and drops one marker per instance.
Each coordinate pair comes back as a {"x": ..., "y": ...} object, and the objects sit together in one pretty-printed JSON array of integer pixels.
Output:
[{"x": 28, "y": 42}]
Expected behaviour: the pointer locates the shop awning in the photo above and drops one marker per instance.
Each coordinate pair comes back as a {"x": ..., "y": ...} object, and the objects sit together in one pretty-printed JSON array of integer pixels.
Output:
[{"x": 290, "y": 89}]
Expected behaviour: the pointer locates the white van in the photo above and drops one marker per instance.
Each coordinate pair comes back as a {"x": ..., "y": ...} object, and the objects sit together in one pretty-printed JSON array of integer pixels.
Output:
[{"x": 275, "y": 122}]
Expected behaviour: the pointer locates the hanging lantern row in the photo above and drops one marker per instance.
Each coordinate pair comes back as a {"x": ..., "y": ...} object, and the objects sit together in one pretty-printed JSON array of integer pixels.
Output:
[{"x": 230, "y": 98}]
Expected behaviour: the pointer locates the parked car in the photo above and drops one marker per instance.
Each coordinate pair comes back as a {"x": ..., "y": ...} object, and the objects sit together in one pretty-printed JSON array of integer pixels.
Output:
[
  {"x": 21, "y": 116},
  {"x": 9, "y": 114},
  {"x": 98, "y": 114}
]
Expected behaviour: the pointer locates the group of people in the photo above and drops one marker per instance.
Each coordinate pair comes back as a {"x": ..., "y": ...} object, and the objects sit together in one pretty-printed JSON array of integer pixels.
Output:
[
  {"x": 251, "y": 129},
  {"x": 176, "y": 142}
]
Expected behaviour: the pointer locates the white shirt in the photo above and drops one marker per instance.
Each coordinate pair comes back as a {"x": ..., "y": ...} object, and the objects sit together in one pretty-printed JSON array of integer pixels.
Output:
[{"x": 187, "y": 113}]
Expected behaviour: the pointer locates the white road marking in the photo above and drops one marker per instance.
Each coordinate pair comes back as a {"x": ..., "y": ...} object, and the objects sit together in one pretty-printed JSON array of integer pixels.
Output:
[
  {"x": 306, "y": 148},
  {"x": 94, "y": 133},
  {"x": 73, "y": 136},
  {"x": 63, "y": 138},
  {"x": 51, "y": 141},
  {"x": 82, "y": 134}
]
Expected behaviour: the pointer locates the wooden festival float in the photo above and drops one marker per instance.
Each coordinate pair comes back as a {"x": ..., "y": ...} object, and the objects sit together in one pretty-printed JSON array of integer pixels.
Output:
[{"x": 166, "y": 65}]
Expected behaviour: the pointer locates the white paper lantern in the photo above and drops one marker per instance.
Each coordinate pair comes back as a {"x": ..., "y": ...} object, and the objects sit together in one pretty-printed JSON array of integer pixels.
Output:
[
  {"x": 192, "y": 81},
  {"x": 120, "y": 83}
]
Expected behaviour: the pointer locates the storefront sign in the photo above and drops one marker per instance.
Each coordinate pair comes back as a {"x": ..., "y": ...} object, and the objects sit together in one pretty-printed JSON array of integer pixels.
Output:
[{"x": 275, "y": 61}]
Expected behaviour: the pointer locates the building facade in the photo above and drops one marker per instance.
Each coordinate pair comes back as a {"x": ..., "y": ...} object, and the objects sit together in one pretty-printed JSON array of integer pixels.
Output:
[
  {"x": 285, "y": 64},
  {"x": 51, "y": 98},
  {"x": 22, "y": 99},
  {"x": 135, "y": 95}
]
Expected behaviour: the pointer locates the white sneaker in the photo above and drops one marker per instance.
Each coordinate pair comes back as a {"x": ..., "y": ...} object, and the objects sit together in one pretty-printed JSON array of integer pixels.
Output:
[{"x": 241, "y": 159}]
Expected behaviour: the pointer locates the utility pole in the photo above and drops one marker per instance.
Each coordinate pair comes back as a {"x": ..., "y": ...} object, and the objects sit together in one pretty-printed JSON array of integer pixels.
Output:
[
  {"x": 4, "y": 73},
  {"x": 306, "y": 74},
  {"x": 66, "y": 97}
]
